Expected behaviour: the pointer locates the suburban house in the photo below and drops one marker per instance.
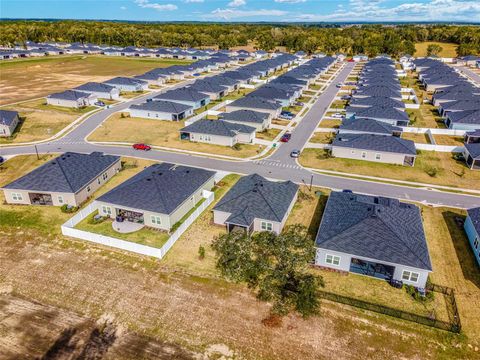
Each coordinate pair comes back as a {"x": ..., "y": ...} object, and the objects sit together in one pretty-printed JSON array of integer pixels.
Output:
[
  {"x": 152, "y": 78},
  {"x": 100, "y": 90},
  {"x": 158, "y": 197},
  {"x": 471, "y": 153},
  {"x": 72, "y": 99},
  {"x": 368, "y": 126},
  {"x": 378, "y": 148},
  {"x": 68, "y": 179},
  {"x": 8, "y": 122},
  {"x": 185, "y": 96},
  {"x": 127, "y": 84},
  {"x": 256, "y": 204},
  {"x": 386, "y": 114},
  {"x": 472, "y": 137},
  {"x": 463, "y": 120},
  {"x": 472, "y": 229},
  {"x": 259, "y": 120},
  {"x": 374, "y": 236},
  {"x": 213, "y": 90},
  {"x": 272, "y": 107},
  {"x": 161, "y": 110},
  {"x": 218, "y": 132}
]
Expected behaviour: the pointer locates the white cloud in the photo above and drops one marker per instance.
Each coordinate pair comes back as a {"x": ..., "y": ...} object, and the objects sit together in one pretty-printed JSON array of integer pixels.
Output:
[
  {"x": 434, "y": 10},
  {"x": 290, "y": 1},
  {"x": 228, "y": 14},
  {"x": 123, "y": 8},
  {"x": 193, "y": 1},
  {"x": 236, "y": 3},
  {"x": 146, "y": 4}
]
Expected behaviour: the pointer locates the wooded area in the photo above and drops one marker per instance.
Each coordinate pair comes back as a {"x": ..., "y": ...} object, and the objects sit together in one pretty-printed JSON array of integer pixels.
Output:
[{"x": 368, "y": 39}]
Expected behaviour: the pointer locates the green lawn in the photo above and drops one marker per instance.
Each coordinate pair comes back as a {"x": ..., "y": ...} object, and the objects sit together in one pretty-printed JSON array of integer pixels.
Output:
[
  {"x": 430, "y": 168},
  {"x": 145, "y": 236}
]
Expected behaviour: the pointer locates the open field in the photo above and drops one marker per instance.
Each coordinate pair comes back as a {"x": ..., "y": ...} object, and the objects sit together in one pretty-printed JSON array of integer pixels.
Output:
[
  {"x": 449, "y": 49},
  {"x": 31, "y": 78},
  {"x": 161, "y": 133},
  {"x": 181, "y": 299},
  {"x": 445, "y": 169}
]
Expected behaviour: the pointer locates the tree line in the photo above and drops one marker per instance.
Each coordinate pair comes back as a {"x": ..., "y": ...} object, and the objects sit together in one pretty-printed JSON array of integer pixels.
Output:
[{"x": 369, "y": 39}]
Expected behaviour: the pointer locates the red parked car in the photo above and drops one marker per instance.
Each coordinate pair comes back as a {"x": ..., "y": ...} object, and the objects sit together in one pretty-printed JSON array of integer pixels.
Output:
[
  {"x": 286, "y": 137},
  {"x": 141, "y": 147}
]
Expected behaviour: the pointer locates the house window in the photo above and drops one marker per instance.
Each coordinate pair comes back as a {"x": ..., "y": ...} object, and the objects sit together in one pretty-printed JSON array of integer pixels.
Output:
[
  {"x": 410, "y": 276},
  {"x": 200, "y": 137},
  {"x": 332, "y": 259},
  {"x": 105, "y": 176},
  {"x": 60, "y": 199},
  {"x": 378, "y": 156},
  {"x": 352, "y": 151},
  {"x": 107, "y": 210},
  {"x": 88, "y": 188},
  {"x": 364, "y": 154},
  {"x": 17, "y": 197},
  {"x": 266, "y": 226},
  {"x": 475, "y": 243},
  {"x": 156, "y": 220}
]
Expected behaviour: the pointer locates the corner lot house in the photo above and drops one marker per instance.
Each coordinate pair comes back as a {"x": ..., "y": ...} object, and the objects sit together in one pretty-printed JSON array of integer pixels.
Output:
[
  {"x": 103, "y": 91},
  {"x": 259, "y": 120},
  {"x": 373, "y": 236},
  {"x": 161, "y": 110},
  {"x": 379, "y": 148},
  {"x": 256, "y": 204},
  {"x": 218, "y": 132},
  {"x": 472, "y": 229},
  {"x": 158, "y": 197},
  {"x": 8, "y": 122},
  {"x": 68, "y": 179},
  {"x": 72, "y": 99}
]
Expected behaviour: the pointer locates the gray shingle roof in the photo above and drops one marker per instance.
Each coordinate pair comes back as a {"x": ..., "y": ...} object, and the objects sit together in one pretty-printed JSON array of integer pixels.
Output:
[
  {"x": 369, "y": 126},
  {"x": 7, "y": 117},
  {"x": 465, "y": 117},
  {"x": 162, "y": 106},
  {"x": 160, "y": 188},
  {"x": 183, "y": 94},
  {"x": 383, "y": 229},
  {"x": 256, "y": 103},
  {"x": 377, "y": 101},
  {"x": 474, "y": 214},
  {"x": 249, "y": 116},
  {"x": 67, "y": 173},
  {"x": 474, "y": 150},
  {"x": 217, "y": 127},
  {"x": 383, "y": 143},
  {"x": 378, "y": 112},
  {"x": 124, "y": 81},
  {"x": 71, "y": 95},
  {"x": 94, "y": 86},
  {"x": 254, "y": 197}
]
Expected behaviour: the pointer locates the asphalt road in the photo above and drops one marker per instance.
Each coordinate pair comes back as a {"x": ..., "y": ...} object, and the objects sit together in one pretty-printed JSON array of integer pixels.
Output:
[
  {"x": 472, "y": 75},
  {"x": 279, "y": 166}
]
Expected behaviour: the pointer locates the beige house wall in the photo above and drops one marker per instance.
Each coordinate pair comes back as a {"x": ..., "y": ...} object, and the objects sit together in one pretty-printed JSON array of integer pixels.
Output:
[{"x": 369, "y": 155}]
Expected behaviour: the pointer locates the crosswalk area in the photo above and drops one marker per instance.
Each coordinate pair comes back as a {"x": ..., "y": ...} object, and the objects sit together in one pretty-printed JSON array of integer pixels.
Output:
[
  {"x": 68, "y": 142},
  {"x": 276, "y": 163}
]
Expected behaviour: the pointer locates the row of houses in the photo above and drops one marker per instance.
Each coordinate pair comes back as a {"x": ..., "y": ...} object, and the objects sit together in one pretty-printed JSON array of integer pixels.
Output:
[
  {"x": 457, "y": 100},
  {"x": 374, "y": 119},
  {"x": 373, "y": 236},
  {"x": 255, "y": 111},
  {"x": 32, "y": 49}
]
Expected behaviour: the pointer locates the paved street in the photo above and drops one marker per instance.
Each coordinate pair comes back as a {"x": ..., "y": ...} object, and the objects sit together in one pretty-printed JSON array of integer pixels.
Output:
[
  {"x": 471, "y": 74},
  {"x": 279, "y": 166}
]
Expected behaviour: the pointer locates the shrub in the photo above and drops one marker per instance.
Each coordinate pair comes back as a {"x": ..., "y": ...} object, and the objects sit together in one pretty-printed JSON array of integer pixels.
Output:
[
  {"x": 237, "y": 147},
  {"x": 68, "y": 208},
  {"x": 431, "y": 171},
  {"x": 122, "y": 115},
  {"x": 413, "y": 292},
  {"x": 201, "y": 252}
]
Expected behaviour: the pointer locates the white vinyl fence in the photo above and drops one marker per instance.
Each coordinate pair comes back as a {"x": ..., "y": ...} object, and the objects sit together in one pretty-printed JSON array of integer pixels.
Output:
[{"x": 69, "y": 230}]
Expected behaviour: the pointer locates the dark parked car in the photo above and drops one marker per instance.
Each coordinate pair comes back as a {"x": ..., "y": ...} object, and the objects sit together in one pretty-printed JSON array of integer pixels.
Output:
[
  {"x": 149, "y": 100},
  {"x": 141, "y": 147},
  {"x": 285, "y": 137},
  {"x": 1, "y": 159},
  {"x": 100, "y": 103}
]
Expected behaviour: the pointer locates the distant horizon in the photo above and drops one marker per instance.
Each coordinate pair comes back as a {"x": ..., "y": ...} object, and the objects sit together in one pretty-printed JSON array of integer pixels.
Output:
[{"x": 248, "y": 11}]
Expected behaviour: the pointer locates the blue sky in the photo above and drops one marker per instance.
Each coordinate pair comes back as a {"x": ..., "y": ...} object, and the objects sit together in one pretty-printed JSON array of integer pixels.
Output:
[{"x": 245, "y": 10}]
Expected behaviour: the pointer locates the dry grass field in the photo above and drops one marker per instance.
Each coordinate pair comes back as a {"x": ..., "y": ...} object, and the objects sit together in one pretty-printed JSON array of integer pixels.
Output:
[
  {"x": 430, "y": 168},
  {"x": 161, "y": 133},
  {"x": 31, "y": 78},
  {"x": 322, "y": 138},
  {"x": 449, "y": 49},
  {"x": 418, "y": 138},
  {"x": 179, "y": 308}
]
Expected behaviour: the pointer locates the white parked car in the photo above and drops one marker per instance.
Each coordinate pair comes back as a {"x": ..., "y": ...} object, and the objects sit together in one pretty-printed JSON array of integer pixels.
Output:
[{"x": 337, "y": 115}]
